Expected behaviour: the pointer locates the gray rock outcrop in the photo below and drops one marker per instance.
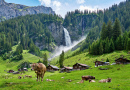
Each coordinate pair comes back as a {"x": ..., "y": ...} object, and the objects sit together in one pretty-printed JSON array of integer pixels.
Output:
[{"x": 11, "y": 10}]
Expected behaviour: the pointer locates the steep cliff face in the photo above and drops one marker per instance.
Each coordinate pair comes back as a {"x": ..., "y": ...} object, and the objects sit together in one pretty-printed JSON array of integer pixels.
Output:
[
  {"x": 57, "y": 32},
  {"x": 11, "y": 10},
  {"x": 79, "y": 25}
]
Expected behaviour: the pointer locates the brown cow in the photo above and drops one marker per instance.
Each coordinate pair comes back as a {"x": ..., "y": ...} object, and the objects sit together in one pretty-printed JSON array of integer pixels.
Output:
[
  {"x": 105, "y": 80},
  {"x": 87, "y": 77},
  {"x": 39, "y": 69}
]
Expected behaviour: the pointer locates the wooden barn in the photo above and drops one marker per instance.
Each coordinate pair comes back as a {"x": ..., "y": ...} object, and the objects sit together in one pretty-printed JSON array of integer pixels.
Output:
[
  {"x": 100, "y": 63},
  {"x": 79, "y": 66},
  {"x": 122, "y": 61},
  {"x": 66, "y": 69},
  {"x": 52, "y": 68}
]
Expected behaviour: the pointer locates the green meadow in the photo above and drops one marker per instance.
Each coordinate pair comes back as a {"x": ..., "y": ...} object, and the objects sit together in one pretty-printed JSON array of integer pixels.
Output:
[{"x": 120, "y": 74}]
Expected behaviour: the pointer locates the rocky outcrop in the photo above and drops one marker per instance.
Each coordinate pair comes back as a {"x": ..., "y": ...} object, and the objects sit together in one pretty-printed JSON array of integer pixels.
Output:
[
  {"x": 57, "y": 32},
  {"x": 11, "y": 10}
]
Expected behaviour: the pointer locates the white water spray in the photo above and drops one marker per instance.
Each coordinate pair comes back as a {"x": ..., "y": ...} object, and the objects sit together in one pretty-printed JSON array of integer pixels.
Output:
[
  {"x": 59, "y": 49},
  {"x": 67, "y": 38}
]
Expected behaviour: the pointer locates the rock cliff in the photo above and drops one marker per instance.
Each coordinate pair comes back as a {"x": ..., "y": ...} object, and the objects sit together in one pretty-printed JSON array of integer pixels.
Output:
[{"x": 11, "y": 10}]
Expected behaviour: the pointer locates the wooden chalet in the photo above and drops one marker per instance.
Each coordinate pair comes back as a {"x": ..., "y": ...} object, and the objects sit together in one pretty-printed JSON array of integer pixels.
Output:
[
  {"x": 79, "y": 66},
  {"x": 122, "y": 61},
  {"x": 66, "y": 69},
  {"x": 52, "y": 68},
  {"x": 100, "y": 63}
]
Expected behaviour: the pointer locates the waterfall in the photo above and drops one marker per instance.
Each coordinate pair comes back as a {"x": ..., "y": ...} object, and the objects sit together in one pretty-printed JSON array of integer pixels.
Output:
[{"x": 67, "y": 38}]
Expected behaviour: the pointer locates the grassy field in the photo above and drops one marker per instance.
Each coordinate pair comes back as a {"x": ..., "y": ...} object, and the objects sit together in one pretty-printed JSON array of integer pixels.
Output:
[
  {"x": 88, "y": 59},
  {"x": 120, "y": 74},
  {"x": 120, "y": 80}
]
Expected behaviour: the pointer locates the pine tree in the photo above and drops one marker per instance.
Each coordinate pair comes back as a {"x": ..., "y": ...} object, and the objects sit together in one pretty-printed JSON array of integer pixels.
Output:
[
  {"x": 116, "y": 29},
  {"x": 107, "y": 46},
  {"x": 128, "y": 44},
  {"x": 100, "y": 49},
  {"x": 107, "y": 60},
  {"x": 61, "y": 59},
  {"x": 112, "y": 47},
  {"x": 104, "y": 32},
  {"x": 119, "y": 43},
  {"x": 109, "y": 29},
  {"x": 19, "y": 50},
  {"x": 45, "y": 61}
]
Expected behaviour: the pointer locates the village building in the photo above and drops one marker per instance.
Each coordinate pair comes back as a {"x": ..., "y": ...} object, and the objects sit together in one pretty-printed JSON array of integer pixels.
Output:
[
  {"x": 10, "y": 71},
  {"x": 52, "y": 68},
  {"x": 100, "y": 63},
  {"x": 23, "y": 69},
  {"x": 79, "y": 66},
  {"x": 122, "y": 61},
  {"x": 66, "y": 69}
]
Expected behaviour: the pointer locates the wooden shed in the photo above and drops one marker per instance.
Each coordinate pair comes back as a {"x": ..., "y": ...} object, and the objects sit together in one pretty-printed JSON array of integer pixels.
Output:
[
  {"x": 66, "y": 69},
  {"x": 100, "y": 63},
  {"x": 52, "y": 68},
  {"x": 79, "y": 66},
  {"x": 122, "y": 61}
]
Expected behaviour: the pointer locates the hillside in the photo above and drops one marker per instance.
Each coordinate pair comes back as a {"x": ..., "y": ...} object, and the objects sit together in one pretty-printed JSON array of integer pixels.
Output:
[
  {"x": 118, "y": 73},
  {"x": 11, "y": 10}
]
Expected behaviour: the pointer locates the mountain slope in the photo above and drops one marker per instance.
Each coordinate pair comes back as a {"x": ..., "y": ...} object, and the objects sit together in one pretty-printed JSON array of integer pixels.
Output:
[{"x": 11, "y": 10}]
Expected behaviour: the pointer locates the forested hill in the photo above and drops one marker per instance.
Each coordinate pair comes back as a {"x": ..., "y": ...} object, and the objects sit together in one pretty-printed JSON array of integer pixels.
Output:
[
  {"x": 80, "y": 22},
  {"x": 44, "y": 31},
  {"x": 11, "y": 10}
]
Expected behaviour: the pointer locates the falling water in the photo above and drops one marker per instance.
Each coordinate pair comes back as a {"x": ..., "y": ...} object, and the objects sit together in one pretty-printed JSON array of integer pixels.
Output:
[{"x": 67, "y": 38}]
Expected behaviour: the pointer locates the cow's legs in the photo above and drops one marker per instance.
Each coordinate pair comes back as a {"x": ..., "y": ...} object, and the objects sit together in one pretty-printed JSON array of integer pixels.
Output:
[
  {"x": 37, "y": 77},
  {"x": 42, "y": 76}
]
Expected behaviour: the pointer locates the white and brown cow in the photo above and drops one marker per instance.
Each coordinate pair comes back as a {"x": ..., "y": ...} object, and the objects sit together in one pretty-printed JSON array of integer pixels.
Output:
[
  {"x": 39, "y": 69},
  {"x": 105, "y": 80}
]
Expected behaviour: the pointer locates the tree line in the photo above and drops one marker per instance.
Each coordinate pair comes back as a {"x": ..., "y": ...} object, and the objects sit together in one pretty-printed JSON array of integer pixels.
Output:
[{"x": 111, "y": 39}]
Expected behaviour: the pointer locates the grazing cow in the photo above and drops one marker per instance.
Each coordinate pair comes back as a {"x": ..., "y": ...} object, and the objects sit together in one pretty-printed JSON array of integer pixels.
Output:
[
  {"x": 90, "y": 80},
  {"x": 87, "y": 77},
  {"x": 39, "y": 69},
  {"x": 105, "y": 80}
]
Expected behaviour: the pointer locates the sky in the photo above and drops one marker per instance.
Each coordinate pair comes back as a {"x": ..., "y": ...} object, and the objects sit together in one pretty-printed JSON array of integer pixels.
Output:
[{"x": 61, "y": 7}]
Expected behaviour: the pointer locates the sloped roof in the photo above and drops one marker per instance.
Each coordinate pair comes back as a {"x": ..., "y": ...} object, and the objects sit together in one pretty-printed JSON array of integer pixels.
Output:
[
  {"x": 82, "y": 64},
  {"x": 55, "y": 67},
  {"x": 123, "y": 59},
  {"x": 66, "y": 68}
]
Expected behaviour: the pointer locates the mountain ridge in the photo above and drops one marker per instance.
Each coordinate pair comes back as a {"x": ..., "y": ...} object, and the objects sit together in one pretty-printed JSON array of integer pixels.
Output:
[{"x": 11, "y": 10}]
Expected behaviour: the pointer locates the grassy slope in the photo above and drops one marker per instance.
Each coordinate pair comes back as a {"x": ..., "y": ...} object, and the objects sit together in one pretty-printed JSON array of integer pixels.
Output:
[
  {"x": 120, "y": 78},
  {"x": 88, "y": 59}
]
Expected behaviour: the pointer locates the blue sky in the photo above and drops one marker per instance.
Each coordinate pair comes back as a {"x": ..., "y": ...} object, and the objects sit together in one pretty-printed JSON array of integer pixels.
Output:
[{"x": 62, "y": 6}]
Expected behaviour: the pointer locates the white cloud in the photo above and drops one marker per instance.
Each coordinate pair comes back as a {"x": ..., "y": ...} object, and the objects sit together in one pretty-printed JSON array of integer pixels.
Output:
[
  {"x": 45, "y": 2},
  {"x": 56, "y": 3},
  {"x": 89, "y": 8},
  {"x": 80, "y": 1},
  {"x": 57, "y": 6}
]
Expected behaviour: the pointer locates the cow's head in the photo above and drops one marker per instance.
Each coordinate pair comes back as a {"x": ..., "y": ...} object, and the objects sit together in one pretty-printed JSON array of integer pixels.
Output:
[
  {"x": 34, "y": 66},
  {"x": 109, "y": 79}
]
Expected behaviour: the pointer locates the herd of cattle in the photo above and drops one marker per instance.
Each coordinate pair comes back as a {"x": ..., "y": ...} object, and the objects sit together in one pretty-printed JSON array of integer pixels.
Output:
[{"x": 40, "y": 70}]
